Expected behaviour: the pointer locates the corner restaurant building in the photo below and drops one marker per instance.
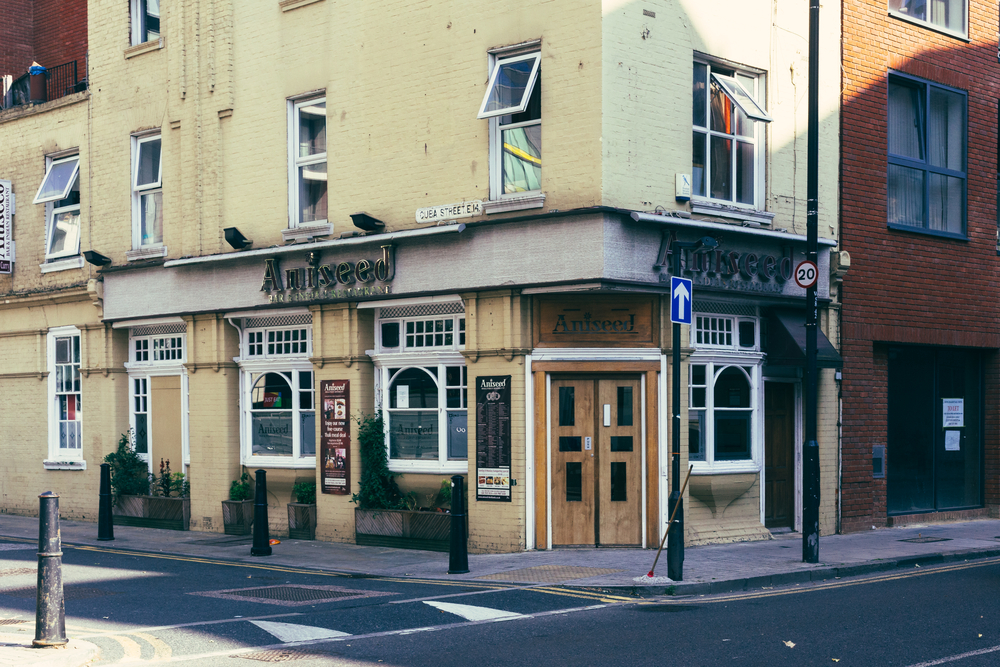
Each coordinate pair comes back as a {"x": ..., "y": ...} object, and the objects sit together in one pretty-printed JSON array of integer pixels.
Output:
[{"x": 562, "y": 317}]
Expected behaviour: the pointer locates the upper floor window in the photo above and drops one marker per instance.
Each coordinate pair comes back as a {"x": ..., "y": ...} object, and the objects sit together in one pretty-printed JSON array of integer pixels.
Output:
[
  {"x": 307, "y": 162},
  {"x": 949, "y": 15},
  {"x": 513, "y": 103},
  {"x": 145, "y": 21},
  {"x": 926, "y": 170},
  {"x": 438, "y": 332},
  {"x": 725, "y": 332},
  {"x": 60, "y": 192},
  {"x": 727, "y": 154},
  {"x": 147, "y": 192}
]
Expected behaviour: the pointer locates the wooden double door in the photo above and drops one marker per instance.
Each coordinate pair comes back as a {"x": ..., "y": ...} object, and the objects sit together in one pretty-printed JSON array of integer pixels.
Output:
[{"x": 596, "y": 461}]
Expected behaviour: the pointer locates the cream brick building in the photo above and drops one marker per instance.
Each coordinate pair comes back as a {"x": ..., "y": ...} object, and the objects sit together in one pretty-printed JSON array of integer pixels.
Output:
[{"x": 286, "y": 195}]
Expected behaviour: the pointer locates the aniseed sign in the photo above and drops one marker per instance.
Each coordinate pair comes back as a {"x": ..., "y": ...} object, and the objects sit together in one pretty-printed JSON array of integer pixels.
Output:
[
  {"x": 6, "y": 233},
  {"x": 335, "y": 280}
]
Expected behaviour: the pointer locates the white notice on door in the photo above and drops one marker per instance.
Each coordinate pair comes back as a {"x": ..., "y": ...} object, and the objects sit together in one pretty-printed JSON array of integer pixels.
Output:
[
  {"x": 952, "y": 440},
  {"x": 953, "y": 412},
  {"x": 402, "y": 396}
]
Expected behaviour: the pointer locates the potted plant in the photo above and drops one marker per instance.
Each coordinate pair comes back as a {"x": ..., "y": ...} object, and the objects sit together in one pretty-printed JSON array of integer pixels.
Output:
[
  {"x": 384, "y": 516},
  {"x": 302, "y": 513},
  {"x": 142, "y": 499},
  {"x": 237, "y": 512}
]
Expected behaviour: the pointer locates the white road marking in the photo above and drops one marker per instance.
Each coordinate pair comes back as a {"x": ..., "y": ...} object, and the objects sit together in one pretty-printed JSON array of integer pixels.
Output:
[
  {"x": 94, "y": 632},
  {"x": 291, "y": 632},
  {"x": 960, "y": 656},
  {"x": 130, "y": 647},
  {"x": 471, "y": 613},
  {"x": 160, "y": 649}
]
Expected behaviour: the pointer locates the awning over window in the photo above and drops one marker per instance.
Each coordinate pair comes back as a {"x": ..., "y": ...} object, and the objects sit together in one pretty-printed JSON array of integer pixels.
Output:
[{"x": 786, "y": 342}]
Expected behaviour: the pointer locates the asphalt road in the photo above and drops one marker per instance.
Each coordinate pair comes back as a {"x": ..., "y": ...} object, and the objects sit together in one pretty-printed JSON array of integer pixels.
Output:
[{"x": 140, "y": 608}]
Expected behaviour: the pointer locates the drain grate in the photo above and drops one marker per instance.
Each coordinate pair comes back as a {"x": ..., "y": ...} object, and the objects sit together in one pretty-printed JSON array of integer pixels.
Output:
[
  {"x": 921, "y": 540},
  {"x": 280, "y": 655},
  {"x": 292, "y": 595},
  {"x": 69, "y": 593},
  {"x": 11, "y": 621},
  {"x": 17, "y": 570}
]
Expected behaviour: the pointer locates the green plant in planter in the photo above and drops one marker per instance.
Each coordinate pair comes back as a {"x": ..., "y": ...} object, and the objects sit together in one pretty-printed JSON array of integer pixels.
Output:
[
  {"x": 129, "y": 473},
  {"x": 305, "y": 492},
  {"x": 239, "y": 489},
  {"x": 377, "y": 489},
  {"x": 170, "y": 484},
  {"x": 443, "y": 494}
]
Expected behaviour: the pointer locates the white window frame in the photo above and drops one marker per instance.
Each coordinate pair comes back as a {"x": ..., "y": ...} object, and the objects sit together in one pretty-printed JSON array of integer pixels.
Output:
[
  {"x": 495, "y": 128},
  {"x": 140, "y": 29},
  {"x": 139, "y": 191},
  {"x": 734, "y": 346},
  {"x": 715, "y": 364},
  {"x": 291, "y": 364},
  {"x": 756, "y": 112},
  {"x": 61, "y": 457},
  {"x": 295, "y": 162},
  {"x": 53, "y": 209},
  {"x": 926, "y": 23}
]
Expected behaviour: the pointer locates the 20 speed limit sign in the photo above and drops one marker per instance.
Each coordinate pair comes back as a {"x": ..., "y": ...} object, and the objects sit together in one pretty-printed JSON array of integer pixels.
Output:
[{"x": 806, "y": 274}]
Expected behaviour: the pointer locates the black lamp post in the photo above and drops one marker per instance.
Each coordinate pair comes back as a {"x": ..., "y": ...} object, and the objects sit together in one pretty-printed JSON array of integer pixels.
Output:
[{"x": 675, "y": 538}]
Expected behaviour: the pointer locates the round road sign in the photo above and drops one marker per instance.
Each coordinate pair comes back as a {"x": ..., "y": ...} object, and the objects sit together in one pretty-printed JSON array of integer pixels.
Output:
[{"x": 805, "y": 274}]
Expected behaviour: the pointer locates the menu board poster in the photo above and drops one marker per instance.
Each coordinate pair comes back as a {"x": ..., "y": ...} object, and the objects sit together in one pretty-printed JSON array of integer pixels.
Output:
[
  {"x": 335, "y": 436},
  {"x": 493, "y": 438}
]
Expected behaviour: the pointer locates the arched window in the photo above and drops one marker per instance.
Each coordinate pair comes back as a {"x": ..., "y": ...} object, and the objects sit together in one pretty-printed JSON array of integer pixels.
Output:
[{"x": 282, "y": 414}]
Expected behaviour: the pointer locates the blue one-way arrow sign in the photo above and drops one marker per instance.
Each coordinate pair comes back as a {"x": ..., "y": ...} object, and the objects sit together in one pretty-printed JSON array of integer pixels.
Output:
[{"x": 681, "y": 294}]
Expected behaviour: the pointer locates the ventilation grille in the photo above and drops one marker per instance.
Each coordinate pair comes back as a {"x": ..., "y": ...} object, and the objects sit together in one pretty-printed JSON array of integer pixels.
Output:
[
  {"x": 159, "y": 330},
  {"x": 277, "y": 321},
  {"x": 725, "y": 308},
  {"x": 423, "y": 309}
]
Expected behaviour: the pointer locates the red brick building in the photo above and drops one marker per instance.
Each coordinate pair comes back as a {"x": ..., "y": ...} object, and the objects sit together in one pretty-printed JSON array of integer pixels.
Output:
[
  {"x": 52, "y": 33},
  {"x": 921, "y": 331}
]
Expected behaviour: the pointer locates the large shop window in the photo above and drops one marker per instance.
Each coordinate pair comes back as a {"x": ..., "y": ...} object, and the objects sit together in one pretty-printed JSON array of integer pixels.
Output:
[
  {"x": 935, "y": 431},
  {"x": 65, "y": 396},
  {"x": 60, "y": 192},
  {"x": 279, "y": 402},
  {"x": 513, "y": 105},
  {"x": 724, "y": 381},
  {"x": 307, "y": 164},
  {"x": 423, "y": 385},
  {"x": 728, "y": 135},
  {"x": 926, "y": 171}
]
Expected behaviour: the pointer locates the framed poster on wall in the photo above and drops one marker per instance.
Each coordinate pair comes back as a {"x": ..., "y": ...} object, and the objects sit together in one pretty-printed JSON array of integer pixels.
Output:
[
  {"x": 335, "y": 459},
  {"x": 493, "y": 438}
]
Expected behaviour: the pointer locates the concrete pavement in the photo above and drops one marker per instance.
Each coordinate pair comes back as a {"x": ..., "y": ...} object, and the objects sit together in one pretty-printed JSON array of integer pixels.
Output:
[{"x": 707, "y": 569}]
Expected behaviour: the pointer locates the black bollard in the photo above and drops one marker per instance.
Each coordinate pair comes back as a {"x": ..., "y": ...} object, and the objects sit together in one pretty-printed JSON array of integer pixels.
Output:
[
  {"x": 261, "y": 536},
  {"x": 50, "y": 611},
  {"x": 105, "y": 525},
  {"x": 458, "y": 557}
]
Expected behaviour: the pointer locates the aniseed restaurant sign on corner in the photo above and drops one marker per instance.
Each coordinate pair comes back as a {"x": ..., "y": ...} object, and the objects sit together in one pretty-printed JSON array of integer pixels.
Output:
[
  {"x": 595, "y": 321},
  {"x": 318, "y": 280}
]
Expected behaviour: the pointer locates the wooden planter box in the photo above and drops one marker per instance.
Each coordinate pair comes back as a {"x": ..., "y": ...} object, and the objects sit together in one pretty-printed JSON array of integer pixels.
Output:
[
  {"x": 403, "y": 529},
  {"x": 237, "y": 517},
  {"x": 153, "y": 512},
  {"x": 301, "y": 521}
]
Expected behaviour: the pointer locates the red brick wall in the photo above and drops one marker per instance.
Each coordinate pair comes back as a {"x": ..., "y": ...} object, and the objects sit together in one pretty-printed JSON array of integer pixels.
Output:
[
  {"x": 904, "y": 286},
  {"x": 16, "y": 37}
]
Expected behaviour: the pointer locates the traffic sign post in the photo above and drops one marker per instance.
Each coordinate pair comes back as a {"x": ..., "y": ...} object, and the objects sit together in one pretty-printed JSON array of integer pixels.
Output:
[
  {"x": 806, "y": 274},
  {"x": 681, "y": 293}
]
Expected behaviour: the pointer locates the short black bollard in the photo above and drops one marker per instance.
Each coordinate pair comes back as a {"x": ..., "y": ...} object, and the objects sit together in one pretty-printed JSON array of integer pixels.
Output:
[
  {"x": 261, "y": 536},
  {"x": 50, "y": 612},
  {"x": 105, "y": 524},
  {"x": 458, "y": 557}
]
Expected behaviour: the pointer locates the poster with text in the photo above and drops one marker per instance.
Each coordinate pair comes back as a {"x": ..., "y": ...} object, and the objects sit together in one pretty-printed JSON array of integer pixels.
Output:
[
  {"x": 493, "y": 438},
  {"x": 335, "y": 437}
]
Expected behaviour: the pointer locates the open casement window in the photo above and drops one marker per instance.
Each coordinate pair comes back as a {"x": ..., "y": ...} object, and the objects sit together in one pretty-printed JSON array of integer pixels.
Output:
[
  {"x": 723, "y": 415},
  {"x": 947, "y": 15},
  {"x": 145, "y": 21},
  {"x": 426, "y": 416},
  {"x": 147, "y": 192},
  {"x": 60, "y": 192},
  {"x": 728, "y": 135},
  {"x": 927, "y": 154},
  {"x": 513, "y": 105},
  {"x": 307, "y": 163}
]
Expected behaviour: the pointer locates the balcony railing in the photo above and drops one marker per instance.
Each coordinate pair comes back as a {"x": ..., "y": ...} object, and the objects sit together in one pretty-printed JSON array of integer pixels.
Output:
[{"x": 60, "y": 81}]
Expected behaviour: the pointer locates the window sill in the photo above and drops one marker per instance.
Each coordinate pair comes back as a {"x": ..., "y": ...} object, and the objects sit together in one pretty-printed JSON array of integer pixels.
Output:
[
  {"x": 728, "y": 468},
  {"x": 732, "y": 212},
  {"x": 506, "y": 204},
  {"x": 64, "y": 465},
  {"x": 927, "y": 232},
  {"x": 151, "y": 252},
  {"x": 62, "y": 264},
  {"x": 929, "y": 26},
  {"x": 145, "y": 47},
  {"x": 279, "y": 462},
  {"x": 306, "y": 232},
  {"x": 289, "y": 5},
  {"x": 429, "y": 467}
]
